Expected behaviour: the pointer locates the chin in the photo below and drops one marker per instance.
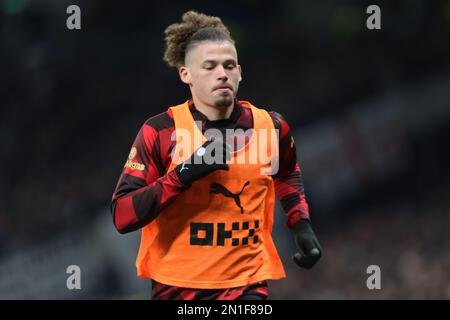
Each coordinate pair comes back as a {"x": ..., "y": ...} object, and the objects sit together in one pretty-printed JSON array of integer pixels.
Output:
[{"x": 224, "y": 101}]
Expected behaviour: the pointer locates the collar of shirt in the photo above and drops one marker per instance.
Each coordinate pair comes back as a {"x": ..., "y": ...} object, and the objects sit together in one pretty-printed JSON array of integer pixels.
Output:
[{"x": 223, "y": 123}]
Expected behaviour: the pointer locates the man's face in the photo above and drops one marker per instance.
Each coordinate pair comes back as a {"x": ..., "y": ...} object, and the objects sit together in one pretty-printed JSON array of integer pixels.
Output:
[{"x": 212, "y": 73}]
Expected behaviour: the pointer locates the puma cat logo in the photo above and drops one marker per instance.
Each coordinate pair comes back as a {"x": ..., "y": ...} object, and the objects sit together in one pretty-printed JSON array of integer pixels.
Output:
[
  {"x": 183, "y": 167},
  {"x": 218, "y": 188}
]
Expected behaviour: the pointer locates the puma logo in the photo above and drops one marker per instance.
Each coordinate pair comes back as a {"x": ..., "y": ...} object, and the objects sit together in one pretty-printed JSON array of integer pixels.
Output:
[
  {"x": 218, "y": 188},
  {"x": 183, "y": 167}
]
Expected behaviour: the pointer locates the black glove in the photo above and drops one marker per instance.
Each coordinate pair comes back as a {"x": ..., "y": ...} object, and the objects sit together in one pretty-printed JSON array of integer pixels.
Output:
[
  {"x": 204, "y": 161},
  {"x": 310, "y": 250}
]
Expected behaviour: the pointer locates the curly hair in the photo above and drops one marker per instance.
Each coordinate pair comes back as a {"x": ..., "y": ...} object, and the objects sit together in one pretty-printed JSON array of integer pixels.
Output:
[{"x": 194, "y": 28}]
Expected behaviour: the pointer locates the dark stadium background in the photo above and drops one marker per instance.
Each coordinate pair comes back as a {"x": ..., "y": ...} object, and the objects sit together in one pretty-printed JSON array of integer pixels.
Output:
[{"x": 370, "y": 111}]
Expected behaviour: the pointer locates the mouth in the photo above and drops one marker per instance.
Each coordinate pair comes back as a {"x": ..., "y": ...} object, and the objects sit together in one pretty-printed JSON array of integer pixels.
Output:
[{"x": 223, "y": 88}]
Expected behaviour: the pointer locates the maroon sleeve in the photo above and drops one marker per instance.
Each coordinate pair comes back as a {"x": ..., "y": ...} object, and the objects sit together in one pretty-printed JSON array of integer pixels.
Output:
[
  {"x": 288, "y": 181},
  {"x": 144, "y": 188}
]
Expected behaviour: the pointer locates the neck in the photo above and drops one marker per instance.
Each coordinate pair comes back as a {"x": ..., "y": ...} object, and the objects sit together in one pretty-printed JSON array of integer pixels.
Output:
[{"x": 212, "y": 112}]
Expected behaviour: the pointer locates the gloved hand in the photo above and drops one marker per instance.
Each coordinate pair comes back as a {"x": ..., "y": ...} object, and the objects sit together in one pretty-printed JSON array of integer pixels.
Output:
[
  {"x": 310, "y": 250},
  {"x": 211, "y": 156}
]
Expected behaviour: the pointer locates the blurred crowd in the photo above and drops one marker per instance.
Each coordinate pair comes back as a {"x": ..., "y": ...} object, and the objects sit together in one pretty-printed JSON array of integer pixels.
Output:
[{"x": 407, "y": 240}]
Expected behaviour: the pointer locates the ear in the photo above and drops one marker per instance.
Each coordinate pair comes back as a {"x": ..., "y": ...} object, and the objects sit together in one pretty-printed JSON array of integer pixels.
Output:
[
  {"x": 240, "y": 72},
  {"x": 185, "y": 76}
]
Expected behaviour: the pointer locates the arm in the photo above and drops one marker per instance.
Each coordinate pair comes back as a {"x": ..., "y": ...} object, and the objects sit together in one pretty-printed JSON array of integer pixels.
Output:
[
  {"x": 143, "y": 189},
  {"x": 290, "y": 191},
  {"x": 288, "y": 180}
]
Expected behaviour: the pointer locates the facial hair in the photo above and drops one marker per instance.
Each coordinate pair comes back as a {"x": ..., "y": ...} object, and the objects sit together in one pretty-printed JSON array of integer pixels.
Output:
[{"x": 224, "y": 101}]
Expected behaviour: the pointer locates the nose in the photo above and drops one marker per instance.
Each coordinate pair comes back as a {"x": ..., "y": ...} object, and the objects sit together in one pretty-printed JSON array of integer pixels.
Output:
[{"x": 221, "y": 74}]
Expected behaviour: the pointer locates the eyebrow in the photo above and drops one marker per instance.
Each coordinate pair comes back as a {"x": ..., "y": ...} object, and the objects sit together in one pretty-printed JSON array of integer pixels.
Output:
[{"x": 228, "y": 61}]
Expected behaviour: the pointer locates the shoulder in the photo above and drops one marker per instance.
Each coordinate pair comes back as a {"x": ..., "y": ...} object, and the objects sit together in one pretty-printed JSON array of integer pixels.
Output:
[
  {"x": 155, "y": 137},
  {"x": 281, "y": 124},
  {"x": 161, "y": 121},
  {"x": 278, "y": 120}
]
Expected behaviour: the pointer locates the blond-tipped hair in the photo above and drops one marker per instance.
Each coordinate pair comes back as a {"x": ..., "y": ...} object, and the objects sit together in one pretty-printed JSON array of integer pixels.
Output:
[{"x": 194, "y": 28}]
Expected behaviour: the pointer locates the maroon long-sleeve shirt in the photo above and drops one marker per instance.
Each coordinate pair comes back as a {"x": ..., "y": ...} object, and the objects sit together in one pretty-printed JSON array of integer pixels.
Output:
[{"x": 144, "y": 188}]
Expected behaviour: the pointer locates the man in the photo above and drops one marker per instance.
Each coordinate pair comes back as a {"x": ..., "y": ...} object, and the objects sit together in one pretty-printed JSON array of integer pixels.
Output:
[{"x": 206, "y": 224}]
